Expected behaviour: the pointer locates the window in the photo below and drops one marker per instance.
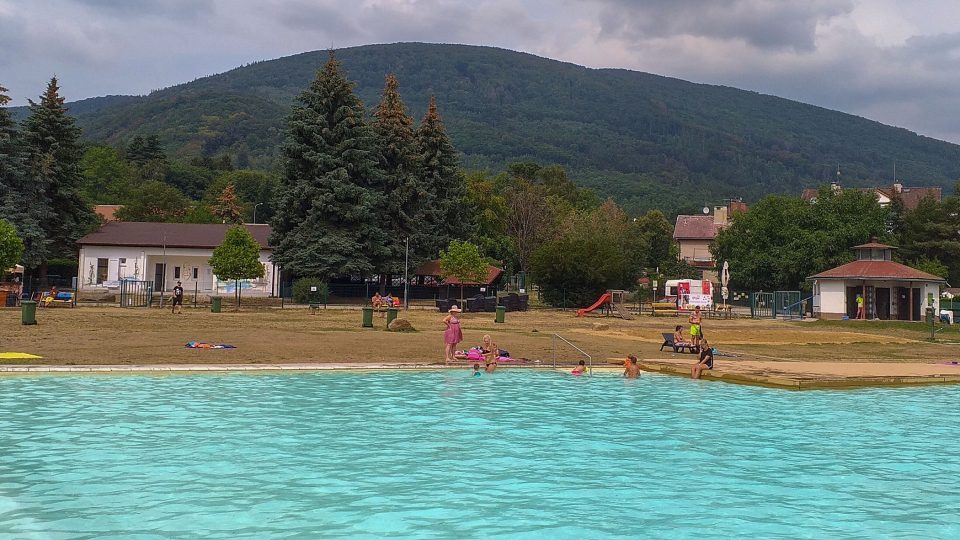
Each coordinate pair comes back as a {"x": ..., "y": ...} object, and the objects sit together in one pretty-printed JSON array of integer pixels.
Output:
[
  {"x": 196, "y": 272},
  {"x": 176, "y": 272},
  {"x": 102, "y": 270}
]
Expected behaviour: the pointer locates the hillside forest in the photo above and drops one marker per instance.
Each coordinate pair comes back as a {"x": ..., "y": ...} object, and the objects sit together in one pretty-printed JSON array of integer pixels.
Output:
[{"x": 573, "y": 241}]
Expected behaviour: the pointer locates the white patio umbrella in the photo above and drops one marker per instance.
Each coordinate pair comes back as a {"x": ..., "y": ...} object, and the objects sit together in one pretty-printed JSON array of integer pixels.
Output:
[{"x": 724, "y": 280}]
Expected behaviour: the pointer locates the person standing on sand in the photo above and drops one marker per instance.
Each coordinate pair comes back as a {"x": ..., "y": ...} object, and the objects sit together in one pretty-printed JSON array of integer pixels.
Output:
[
  {"x": 177, "y": 305},
  {"x": 695, "y": 333},
  {"x": 453, "y": 334}
]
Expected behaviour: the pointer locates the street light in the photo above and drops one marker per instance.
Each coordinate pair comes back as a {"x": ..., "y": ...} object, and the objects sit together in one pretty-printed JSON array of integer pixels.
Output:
[
  {"x": 255, "y": 212},
  {"x": 406, "y": 280}
]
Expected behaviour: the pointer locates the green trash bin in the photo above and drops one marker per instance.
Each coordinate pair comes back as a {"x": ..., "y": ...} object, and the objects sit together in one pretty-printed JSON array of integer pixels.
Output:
[
  {"x": 28, "y": 312},
  {"x": 391, "y": 315},
  {"x": 216, "y": 302},
  {"x": 501, "y": 314},
  {"x": 368, "y": 317}
]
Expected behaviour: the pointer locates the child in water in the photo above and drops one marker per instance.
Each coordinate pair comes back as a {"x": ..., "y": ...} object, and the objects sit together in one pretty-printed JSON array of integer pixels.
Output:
[
  {"x": 476, "y": 370},
  {"x": 580, "y": 369},
  {"x": 632, "y": 370}
]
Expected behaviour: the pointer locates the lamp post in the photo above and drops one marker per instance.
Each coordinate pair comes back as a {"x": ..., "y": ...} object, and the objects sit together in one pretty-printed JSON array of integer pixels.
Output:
[
  {"x": 255, "y": 212},
  {"x": 406, "y": 280}
]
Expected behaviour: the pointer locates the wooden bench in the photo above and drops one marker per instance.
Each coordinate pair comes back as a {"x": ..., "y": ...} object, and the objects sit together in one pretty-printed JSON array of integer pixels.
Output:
[{"x": 664, "y": 308}]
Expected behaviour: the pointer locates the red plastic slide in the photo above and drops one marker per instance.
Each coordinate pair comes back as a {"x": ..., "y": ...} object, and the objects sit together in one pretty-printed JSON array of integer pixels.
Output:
[{"x": 605, "y": 299}]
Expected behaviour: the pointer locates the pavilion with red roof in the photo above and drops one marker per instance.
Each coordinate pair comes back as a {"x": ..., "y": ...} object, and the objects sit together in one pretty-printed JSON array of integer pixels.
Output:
[{"x": 891, "y": 291}]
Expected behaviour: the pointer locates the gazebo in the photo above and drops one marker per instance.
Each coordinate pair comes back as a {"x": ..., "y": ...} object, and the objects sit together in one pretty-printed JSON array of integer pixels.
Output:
[{"x": 891, "y": 291}]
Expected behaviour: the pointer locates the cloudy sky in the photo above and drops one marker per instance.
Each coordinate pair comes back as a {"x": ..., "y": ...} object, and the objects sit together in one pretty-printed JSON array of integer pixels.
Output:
[{"x": 893, "y": 61}]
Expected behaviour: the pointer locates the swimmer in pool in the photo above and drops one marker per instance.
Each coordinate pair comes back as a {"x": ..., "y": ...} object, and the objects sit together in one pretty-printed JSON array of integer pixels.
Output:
[
  {"x": 580, "y": 369},
  {"x": 476, "y": 370},
  {"x": 632, "y": 371}
]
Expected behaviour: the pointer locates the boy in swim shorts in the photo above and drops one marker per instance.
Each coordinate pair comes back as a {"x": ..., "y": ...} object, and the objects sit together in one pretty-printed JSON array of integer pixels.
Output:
[{"x": 632, "y": 370}]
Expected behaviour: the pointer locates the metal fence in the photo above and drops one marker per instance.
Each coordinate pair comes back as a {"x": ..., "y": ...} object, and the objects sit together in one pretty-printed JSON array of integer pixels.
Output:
[{"x": 136, "y": 293}]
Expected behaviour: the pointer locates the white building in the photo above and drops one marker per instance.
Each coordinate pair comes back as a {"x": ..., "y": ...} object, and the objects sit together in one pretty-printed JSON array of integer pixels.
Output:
[
  {"x": 891, "y": 291},
  {"x": 165, "y": 253}
]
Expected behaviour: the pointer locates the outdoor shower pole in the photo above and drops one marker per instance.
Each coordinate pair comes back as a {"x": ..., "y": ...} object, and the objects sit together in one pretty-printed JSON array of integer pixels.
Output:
[{"x": 406, "y": 280}]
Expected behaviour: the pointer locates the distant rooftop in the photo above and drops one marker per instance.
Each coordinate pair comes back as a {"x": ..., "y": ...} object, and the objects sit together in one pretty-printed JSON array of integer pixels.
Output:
[{"x": 911, "y": 196}]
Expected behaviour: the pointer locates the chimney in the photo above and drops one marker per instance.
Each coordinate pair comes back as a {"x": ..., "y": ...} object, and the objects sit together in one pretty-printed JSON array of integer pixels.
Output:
[{"x": 720, "y": 216}]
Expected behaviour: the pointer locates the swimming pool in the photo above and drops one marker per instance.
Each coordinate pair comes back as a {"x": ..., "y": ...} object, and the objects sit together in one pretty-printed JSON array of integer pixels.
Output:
[{"x": 517, "y": 454}]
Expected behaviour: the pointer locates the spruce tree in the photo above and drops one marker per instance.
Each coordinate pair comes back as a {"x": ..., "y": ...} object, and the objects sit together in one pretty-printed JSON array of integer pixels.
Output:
[
  {"x": 57, "y": 215},
  {"x": 12, "y": 167},
  {"x": 326, "y": 222},
  {"x": 442, "y": 220},
  {"x": 403, "y": 192}
]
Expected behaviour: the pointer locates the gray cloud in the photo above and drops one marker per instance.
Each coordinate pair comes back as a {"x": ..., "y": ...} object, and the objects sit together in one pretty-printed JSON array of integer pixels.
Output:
[
  {"x": 875, "y": 58},
  {"x": 767, "y": 24}
]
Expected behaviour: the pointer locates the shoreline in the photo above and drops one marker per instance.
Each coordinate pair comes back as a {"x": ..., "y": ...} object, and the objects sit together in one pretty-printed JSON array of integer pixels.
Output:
[{"x": 795, "y": 376}]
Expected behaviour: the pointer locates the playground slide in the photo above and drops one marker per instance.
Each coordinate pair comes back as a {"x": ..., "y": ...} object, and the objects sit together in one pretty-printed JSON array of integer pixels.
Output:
[{"x": 603, "y": 300}]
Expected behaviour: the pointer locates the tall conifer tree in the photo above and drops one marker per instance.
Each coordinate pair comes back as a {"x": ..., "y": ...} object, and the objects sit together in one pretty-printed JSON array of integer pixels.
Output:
[
  {"x": 56, "y": 216},
  {"x": 12, "y": 169},
  {"x": 402, "y": 189},
  {"x": 326, "y": 219},
  {"x": 442, "y": 219}
]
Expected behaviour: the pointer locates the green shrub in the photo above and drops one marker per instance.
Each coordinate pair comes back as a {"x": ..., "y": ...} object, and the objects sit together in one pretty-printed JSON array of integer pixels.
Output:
[{"x": 302, "y": 293}]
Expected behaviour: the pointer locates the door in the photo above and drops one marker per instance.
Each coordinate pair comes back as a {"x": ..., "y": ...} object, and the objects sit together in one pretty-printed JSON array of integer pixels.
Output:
[
  {"x": 852, "y": 293},
  {"x": 903, "y": 304},
  {"x": 159, "y": 277},
  {"x": 883, "y": 303}
]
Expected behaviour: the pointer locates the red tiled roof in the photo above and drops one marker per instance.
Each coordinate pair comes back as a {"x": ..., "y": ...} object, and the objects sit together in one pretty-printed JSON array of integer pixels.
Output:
[
  {"x": 878, "y": 270},
  {"x": 695, "y": 228},
  {"x": 171, "y": 235},
  {"x": 432, "y": 268},
  {"x": 911, "y": 196},
  {"x": 107, "y": 211}
]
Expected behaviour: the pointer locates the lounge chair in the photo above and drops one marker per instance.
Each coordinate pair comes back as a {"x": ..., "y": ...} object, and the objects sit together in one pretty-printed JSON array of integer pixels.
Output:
[{"x": 668, "y": 342}]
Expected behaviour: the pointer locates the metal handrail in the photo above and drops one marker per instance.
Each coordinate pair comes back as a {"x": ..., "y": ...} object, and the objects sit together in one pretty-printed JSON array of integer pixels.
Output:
[
  {"x": 785, "y": 310},
  {"x": 581, "y": 351}
]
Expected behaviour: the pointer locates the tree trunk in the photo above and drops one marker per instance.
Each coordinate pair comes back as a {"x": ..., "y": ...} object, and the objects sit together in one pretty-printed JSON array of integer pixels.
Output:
[
  {"x": 383, "y": 284},
  {"x": 41, "y": 274},
  {"x": 238, "y": 296}
]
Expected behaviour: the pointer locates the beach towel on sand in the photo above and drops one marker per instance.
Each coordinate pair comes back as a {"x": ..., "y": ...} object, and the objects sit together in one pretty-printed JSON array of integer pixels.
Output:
[
  {"x": 200, "y": 345},
  {"x": 17, "y": 356}
]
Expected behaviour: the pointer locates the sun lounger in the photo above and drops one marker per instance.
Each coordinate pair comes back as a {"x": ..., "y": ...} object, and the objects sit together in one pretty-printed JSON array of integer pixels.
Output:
[{"x": 677, "y": 347}]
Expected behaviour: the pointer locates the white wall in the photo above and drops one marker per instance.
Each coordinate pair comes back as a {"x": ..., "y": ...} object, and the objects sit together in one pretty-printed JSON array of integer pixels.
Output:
[
  {"x": 141, "y": 263},
  {"x": 833, "y": 297}
]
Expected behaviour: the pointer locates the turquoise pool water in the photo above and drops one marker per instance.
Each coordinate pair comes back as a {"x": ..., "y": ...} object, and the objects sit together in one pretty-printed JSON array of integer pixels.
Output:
[{"x": 518, "y": 454}]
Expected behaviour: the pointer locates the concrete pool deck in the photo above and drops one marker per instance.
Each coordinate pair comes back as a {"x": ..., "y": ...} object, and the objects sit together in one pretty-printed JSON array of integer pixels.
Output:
[
  {"x": 785, "y": 375},
  {"x": 812, "y": 375}
]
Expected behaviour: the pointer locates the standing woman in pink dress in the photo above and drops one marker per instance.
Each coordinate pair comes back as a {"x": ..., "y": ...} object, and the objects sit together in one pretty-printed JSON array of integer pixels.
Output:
[{"x": 453, "y": 333}]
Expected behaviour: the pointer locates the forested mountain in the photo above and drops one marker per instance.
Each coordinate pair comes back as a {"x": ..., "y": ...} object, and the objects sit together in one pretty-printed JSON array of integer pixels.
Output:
[{"x": 647, "y": 140}]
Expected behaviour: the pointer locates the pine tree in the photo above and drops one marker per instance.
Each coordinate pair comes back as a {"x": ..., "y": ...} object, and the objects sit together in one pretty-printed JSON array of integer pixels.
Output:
[
  {"x": 403, "y": 191},
  {"x": 57, "y": 215},
  {"x": 12, "y": 166},
  {"x": 326, "y": 223},
  {"x": 228, "y": 207},
  {"x": 441, "y": 221}
]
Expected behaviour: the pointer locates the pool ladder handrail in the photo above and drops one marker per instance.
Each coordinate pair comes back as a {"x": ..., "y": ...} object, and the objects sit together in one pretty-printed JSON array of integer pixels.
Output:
[{"x": 581, "y": 351}]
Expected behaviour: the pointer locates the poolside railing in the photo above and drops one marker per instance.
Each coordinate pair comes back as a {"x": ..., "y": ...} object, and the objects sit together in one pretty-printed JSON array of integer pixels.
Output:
[{"x": 578, "y": 349}]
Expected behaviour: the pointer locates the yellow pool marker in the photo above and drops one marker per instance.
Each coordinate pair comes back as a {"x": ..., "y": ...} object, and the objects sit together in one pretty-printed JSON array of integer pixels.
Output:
[{"x": 17, "y": 356}]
